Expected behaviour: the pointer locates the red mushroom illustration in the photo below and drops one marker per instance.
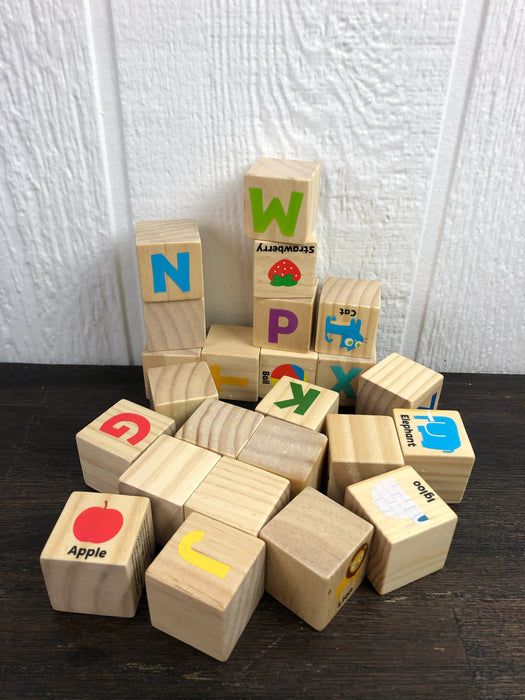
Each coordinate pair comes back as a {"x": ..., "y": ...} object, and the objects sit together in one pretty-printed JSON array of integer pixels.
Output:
[{"x": 284, "y": 273}]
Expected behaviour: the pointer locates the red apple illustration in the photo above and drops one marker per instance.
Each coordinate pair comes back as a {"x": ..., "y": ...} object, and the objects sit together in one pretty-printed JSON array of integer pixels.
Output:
[
  {"x": 98, "y": 524},
  {"x": 284, "y": 273}
]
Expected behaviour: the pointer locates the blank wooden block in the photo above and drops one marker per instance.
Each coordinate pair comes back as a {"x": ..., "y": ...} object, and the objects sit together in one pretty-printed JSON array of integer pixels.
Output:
[
  {"x": 284, "y": 324},
  {"x": 397, "y": 382},
  {"x": 413, "y": 527},
  {"x": 163, "y": 358},
  {"x": 274, "y": 364},
  {"x": 281, "y": 198},
  {"x": 169, "y": 258},
  {"x": 178, "y": 390},
  {"x": 283, "y": 270},
  {"x": 175, "y": 325},
  {"x": 168, "y": 473},
  {"x": 205, "y": 584},
  {"x": 220, "y": 427},
  {"x": 239, "y": 495},
  {"x": 289, "y": 450},
  {"x": 359, "y": 447},
  {"x": 316, "y": 556},
  {"x": 348, "y": 317},
  {"x": 96, "y": 556},
  {"x": 300, "y": 403},
  {"x": 233, "y": 361},
  {"x": 341, "y": 374},
  {"x": 113, "y": 441},
  {"x": 436, "y": 444}
]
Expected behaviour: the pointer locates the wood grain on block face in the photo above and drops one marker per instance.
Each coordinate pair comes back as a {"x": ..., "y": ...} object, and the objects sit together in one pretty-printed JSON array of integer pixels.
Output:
[
  {"x": 281, "y": 199},
  {"x": 220, "y": 427},
  {"x": 397, "y": 382},
  {"x": 300, "y": 403},
  {"x": 178, "y": 390},
  {"x": 168, "y": 473},
  {"x": 288, "y": 450},
  {"x": 111, "y": 443},
  {"x": 316, "y": 556},
  {"x": 341, "y": 374},
  {"x": 413, "y": 527},
  {"x": 96, "y": 556},
  {"x": 169, "y": 258},
  {"x": 240, "y": 495},
  {"x": 163, "y": 358},
  {"x": 274, "y": 364},
  {"x": 348, "y": 317},
  {"x": 233, "y": 362},
  {"x": 359, "y": 447},
  {"x": 283, "y": 270},
  {"x": 436, "y": 444},
  {"x": 175, "y": 325},
  {"x": 284, "y": 324},
  {"x": 205, "y": 584}
]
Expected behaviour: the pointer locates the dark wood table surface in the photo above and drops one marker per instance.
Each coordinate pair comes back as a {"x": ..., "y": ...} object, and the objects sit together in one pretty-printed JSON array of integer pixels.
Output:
[{"x": 455, "y": 634}]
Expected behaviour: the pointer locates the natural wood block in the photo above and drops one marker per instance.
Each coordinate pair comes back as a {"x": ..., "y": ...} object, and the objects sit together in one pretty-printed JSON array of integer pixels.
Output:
[
  {"x": 205, "y": 584},
  {"x": 239, "y": 495},
  {"x": 169, "y": 257},
  {"x": 281, "y": 199},
  {"x": 233, "y": 361},
  {"x": 175, "y": 325},
  {"x": 284, "y": 324},
  {"x": 113, "y": 441},
  {"x": 341, "y": 374},
  {"x": 397, "y": 382},
  {"x": 436, "y": 444},
  {"x": 168, "y": 473},
  {"x": 348, "y": 317},
  {"x": 178, "y": 390},
  {"x": 220, "y": 427},
  {"x": 163, "y": 358},
  {"x": 316, "y": 556},
  {"x": 413, "y": 527},
  {"x": 283, "y": 270},
  {"x": 274, "y": 364},
  {"x": 359, "y": 447},
  {"x": 96, "y": 556},
  {"x": 300, "y": 403},
  {"x": 289, "y": 450}
]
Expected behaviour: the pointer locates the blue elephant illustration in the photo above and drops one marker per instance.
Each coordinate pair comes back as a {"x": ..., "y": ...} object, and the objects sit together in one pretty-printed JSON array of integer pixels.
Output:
[
  {"x": 439, "y": 433},
  {"x": 351, "y": 337}
]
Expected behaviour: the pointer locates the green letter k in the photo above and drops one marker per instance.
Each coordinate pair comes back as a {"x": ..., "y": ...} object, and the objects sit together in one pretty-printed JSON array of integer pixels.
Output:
[{"x": 302, "y": 401}]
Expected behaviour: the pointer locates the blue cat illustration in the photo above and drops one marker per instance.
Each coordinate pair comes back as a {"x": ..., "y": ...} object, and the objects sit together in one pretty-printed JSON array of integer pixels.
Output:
[{"x": 351, "y": 337}]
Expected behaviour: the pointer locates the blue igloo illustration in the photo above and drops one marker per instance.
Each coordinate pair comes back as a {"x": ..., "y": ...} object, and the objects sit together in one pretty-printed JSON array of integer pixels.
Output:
[{"x": 394, "y": 501}]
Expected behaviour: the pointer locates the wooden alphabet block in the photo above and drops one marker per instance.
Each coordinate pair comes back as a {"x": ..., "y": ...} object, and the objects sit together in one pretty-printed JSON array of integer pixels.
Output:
[
  {"x": 163, "y": 358},
  {"x": 205, "y": 584},
  {"x": 178, "y": 390},
  {"x": 175, "y": 325},
  {"x": 274, "y": 364},
  {"x": 96, "y": 556},
  {"x": 300, "y": 403},
  {"x": 316, "y": 556},
  {"x": 284, "y": 270},
  {"x": 436, "y": 444},
  {"x": 233, "y": 362},
  {"x": 168, "y": 473},
  {"x": 413, "y": 527},
  {"x": 348, "y": 317},
  {"x": 220, "y": 427},
  {"x": 169, "y": 258},
  {"x": 359, "y": 447},
  {"x": 239, "y": 495},
  {"x": 281, "y": 198},
  {"x": 397, "y": 382},
  {"x": 341, "y": 374},
  {"x": 113, "y": 441},
  {"x": 288, "y": 450},
  {"x": 284, "y": 324}
]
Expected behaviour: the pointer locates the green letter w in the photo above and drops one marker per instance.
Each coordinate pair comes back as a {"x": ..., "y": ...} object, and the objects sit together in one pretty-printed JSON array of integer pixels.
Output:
[{"x": 262, "y": 219}]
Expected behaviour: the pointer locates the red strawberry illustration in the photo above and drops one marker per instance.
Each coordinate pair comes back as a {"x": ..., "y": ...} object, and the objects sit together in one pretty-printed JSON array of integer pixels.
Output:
[{"x": 284, "y": 273}]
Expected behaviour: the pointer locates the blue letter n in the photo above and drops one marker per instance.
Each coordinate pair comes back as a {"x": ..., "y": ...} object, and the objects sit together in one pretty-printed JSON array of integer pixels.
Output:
[{"x": 180, "y": 275}]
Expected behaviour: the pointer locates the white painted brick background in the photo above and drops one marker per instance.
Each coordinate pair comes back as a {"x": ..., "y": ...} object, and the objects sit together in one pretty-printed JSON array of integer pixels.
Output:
[{"x": 113, "y": 112}]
